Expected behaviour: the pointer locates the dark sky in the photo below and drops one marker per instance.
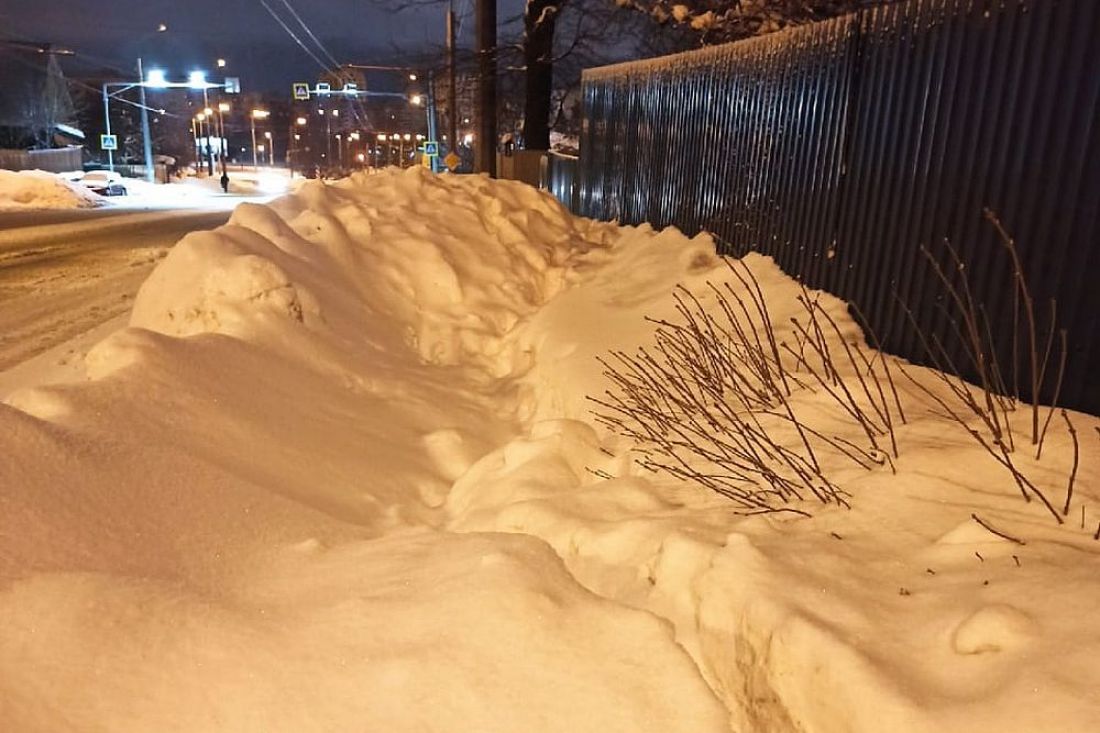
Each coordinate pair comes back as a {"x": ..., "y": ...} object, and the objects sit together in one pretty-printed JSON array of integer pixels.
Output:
[{"x": 263, "y": 55}]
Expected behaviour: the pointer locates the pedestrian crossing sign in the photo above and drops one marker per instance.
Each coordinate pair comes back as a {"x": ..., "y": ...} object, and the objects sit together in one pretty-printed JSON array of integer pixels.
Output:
[
  {"x": 108, "y": 142},
  {"x": 301, "y": 91}
]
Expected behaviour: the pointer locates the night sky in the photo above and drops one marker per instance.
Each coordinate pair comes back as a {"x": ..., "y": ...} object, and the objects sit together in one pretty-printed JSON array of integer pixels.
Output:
[{"x": 115, "y": 32}]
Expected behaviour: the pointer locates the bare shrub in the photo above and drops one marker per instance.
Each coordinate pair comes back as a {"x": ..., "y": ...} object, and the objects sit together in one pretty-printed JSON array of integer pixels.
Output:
[
  {"x": 710, "y": 401},
  {"x": 984, "y": 411}
]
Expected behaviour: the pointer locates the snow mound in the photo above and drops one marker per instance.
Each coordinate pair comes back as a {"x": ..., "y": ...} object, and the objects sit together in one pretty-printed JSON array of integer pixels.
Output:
[
  {"x": 449, "y": 265},
  {"x": 423, "y": 632},
  {"x": 340, "y": 473},
  {"x": 41, "y": 190}
]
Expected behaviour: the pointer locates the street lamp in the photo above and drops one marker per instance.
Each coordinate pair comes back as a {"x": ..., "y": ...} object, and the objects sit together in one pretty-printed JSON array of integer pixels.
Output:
[
  {"x": 270, "y": 149},
  {"x": 257, "y": 114},
  {"x": 156, "y": 79},
  {"x": 223, "y": 108}
]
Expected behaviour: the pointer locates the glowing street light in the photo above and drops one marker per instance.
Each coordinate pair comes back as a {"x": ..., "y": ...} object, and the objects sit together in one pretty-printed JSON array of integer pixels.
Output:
[
  {"x": 162, "y": 27},
  {"x": 412, "y": 77},
  {"x": 223, "y": 108},
  {"x": 415, "y": 100},
  {"x": 197, "y": 80},
  {"x": 301, "y": 120},
  {"x": 208, "y": 112},
  {"x": 257, "y": 114},
  {"x": 221, "y": 63},
  {"x": 156, "y": 79},
  {"x": 382, "y": 136}
]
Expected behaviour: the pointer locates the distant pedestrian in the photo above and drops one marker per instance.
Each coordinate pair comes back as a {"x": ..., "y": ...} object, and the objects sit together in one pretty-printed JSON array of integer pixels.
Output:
[{"x": 225, "y": 181}]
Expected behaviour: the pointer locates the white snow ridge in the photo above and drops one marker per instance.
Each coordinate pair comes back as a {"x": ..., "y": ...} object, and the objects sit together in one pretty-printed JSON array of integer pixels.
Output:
[{"x": 340, "y": 473}]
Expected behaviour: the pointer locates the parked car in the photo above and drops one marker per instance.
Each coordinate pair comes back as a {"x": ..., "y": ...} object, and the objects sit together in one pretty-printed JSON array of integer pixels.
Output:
[{"x": 105, "y": 183}]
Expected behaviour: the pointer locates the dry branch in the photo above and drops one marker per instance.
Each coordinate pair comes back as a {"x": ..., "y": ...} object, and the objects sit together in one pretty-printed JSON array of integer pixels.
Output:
[{"x": 704, "y": 402}]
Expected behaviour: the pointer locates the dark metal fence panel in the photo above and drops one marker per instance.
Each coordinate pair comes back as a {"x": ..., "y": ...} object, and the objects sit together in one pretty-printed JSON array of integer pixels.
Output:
[
  {"x": 847, "y": 149},
  {"x": 560, "y": 178}
]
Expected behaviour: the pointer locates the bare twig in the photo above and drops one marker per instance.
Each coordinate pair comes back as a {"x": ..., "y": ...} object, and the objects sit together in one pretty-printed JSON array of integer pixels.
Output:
[
  {"x": 997, "y": 532},
  {"x": 1076, "y": 457}
]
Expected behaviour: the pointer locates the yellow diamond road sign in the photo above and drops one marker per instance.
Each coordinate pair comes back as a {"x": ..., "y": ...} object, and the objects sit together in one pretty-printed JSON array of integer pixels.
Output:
[{"x": 452, "y": 160}]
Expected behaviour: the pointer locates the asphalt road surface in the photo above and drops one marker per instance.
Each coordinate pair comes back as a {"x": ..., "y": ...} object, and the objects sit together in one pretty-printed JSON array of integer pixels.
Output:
[{"x": 63, "y": 273}]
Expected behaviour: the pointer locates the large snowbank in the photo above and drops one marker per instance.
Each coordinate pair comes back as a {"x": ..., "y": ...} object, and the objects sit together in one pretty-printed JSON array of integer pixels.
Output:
[
  {"x": 340, "y": 474},
  {"x": 42, "y": 190}
]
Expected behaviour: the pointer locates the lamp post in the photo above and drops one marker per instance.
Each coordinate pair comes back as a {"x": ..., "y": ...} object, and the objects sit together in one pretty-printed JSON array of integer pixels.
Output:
[
  {"x": 270, "y": 149},
  {"x": 200, "y": 118},
  {"x": 195, "y": 138},
  {"x": 197, "y": 80},
  {"x": 107, "y": 118},
  {"x": 146, "y": 140},
  {"x": 257, "y": 114},
  {"x": 223, "y": 107}
]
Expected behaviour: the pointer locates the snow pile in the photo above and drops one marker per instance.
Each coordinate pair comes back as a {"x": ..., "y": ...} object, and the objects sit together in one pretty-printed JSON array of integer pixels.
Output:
[
  {"x": 340, "y": 474},
  {"x": 42, "y": 190}
]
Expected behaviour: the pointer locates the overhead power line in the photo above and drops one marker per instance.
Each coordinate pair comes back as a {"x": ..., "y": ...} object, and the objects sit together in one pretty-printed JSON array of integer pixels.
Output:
[
  {"x": 310, "y": 33},
  {"x": 293, "y": 35}
]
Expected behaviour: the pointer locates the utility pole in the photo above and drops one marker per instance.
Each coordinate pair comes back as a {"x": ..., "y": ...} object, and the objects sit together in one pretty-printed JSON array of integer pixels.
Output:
[
  {"x": 452, "y": 83},
  {"x": 486, "y": 142},
  {"x": 107, "y": 120},
  {"x": 146, "y": 139},
  {"x": 209, "y": 126},
  {"x": 433, "y": 126},
  {"x": 255, "y": 162}
]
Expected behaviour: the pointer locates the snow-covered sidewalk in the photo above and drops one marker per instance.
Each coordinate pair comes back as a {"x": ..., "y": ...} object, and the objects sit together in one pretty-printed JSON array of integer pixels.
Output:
[{"x": 340, "y": 473}]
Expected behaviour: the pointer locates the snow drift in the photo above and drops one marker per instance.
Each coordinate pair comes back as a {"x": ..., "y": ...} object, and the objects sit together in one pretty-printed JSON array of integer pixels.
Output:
[
  {"x": 340, "y": 473},
  {"x": 42, "y": 190}
]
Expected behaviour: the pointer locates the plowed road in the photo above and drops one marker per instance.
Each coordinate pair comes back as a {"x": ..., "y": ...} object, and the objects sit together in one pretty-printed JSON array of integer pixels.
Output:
[{"x": 62, "y": 274}]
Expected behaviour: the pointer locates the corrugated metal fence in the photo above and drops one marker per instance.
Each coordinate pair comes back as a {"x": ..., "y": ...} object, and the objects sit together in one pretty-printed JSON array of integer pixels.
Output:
[{"x": 843, "y": 147}]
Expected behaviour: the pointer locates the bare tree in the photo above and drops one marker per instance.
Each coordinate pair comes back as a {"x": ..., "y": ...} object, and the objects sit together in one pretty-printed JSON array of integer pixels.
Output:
[
  {"x": 47, "y": 104},
  {"x": 720, "y": 21}
]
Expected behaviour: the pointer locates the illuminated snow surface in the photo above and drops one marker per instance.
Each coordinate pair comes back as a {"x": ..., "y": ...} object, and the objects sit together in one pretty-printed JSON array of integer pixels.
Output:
[
  {"x": 340, "y": 474},
  {"x": 41, "y": 190}
]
